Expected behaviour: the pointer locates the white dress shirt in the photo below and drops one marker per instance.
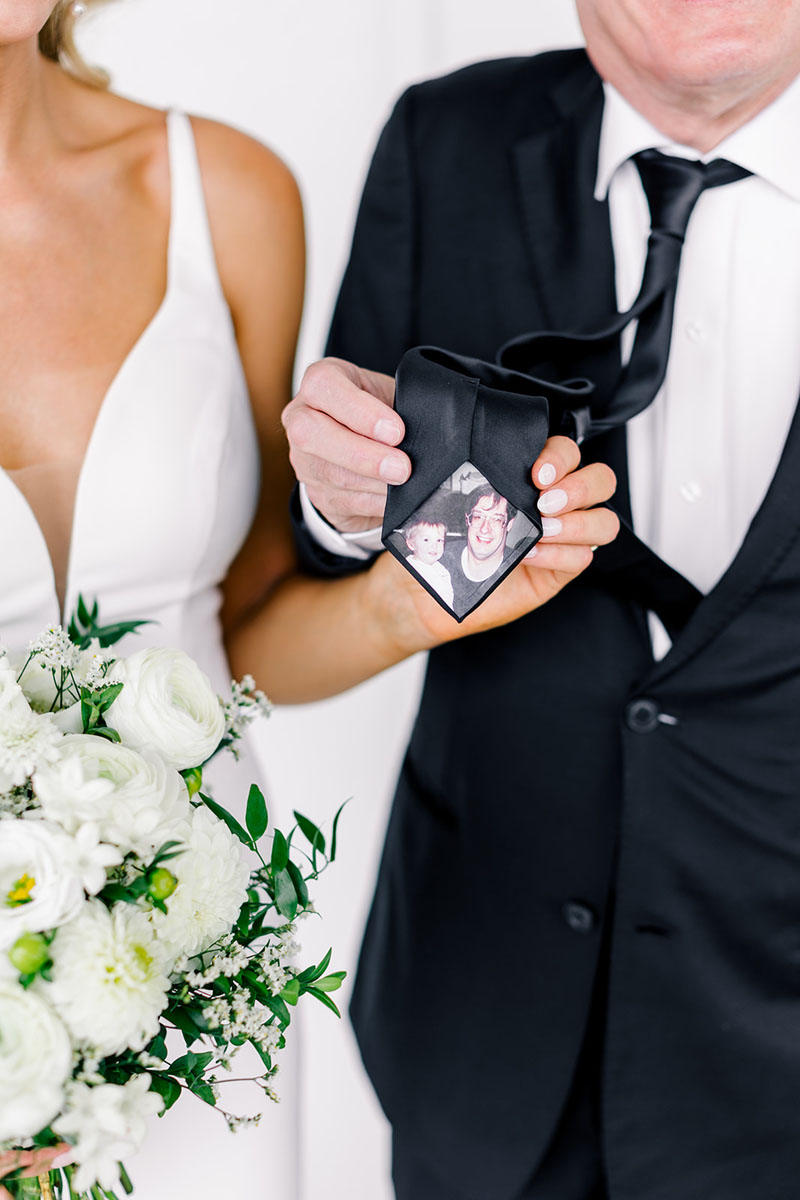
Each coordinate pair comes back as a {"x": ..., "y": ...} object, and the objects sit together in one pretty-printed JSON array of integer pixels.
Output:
[{"x": 701, "y": 457}]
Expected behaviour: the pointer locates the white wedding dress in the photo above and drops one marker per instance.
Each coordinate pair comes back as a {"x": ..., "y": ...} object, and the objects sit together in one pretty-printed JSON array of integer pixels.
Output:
[{"x": 165, "y": 495}]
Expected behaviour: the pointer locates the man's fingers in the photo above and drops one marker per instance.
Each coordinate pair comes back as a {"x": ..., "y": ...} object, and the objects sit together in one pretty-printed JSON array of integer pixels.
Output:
[
  {"x": 559, "y": 456},
  {"x": 347, "y": 394},
  {"x": 587, "y": 527},
  {"x": 318, "y": 436},
  {"x": 581, "y": 489}
]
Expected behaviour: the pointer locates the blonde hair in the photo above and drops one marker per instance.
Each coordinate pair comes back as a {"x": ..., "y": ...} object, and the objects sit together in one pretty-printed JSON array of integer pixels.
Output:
[{"x": 57, "y": 42}]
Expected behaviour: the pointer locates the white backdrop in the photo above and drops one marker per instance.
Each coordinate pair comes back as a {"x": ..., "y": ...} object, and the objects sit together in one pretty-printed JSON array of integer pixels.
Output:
[{"x": 315, "y": 79}]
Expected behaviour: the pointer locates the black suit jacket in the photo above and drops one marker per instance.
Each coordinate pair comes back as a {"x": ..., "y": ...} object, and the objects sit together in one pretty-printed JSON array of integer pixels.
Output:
[{"x": 587, "y": 768}]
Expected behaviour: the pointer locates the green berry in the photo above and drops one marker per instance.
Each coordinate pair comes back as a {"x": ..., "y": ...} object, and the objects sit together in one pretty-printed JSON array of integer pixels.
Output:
[
  {"x": 194, "y": 779},
  {"x": 29, "y": 953},
  {"x": 161, "y": 883}
]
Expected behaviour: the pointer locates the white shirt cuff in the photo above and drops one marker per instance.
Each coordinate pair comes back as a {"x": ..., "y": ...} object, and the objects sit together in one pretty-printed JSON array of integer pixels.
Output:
[{"x": 350, "y": 545}]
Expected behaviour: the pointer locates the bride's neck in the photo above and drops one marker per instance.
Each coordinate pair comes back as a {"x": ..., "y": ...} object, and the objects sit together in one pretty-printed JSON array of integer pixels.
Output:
[{"x": 26, "y": 86}]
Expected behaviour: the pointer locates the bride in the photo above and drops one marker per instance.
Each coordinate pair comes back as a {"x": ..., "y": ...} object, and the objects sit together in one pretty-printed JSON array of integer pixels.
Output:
[{"x": 151, "y": 271}]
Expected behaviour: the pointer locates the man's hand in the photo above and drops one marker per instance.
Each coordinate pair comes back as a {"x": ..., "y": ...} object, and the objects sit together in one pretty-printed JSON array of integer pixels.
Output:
[
  {"x": 342, "y": 429},
  {"x": 573, "y": 528}
]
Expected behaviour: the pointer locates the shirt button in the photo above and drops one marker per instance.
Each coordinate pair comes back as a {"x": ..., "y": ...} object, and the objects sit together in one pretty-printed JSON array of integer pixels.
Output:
[
  {"x": 641, "y": 716},
  {"x": 691, "y": 491},
  {"x": 579, "y": 916},
  {"x": 696, "y": 331}
]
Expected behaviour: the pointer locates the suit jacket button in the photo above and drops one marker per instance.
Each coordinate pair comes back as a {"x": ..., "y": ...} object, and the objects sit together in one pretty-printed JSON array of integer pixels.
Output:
[
  {"x": 641, "y": 716},
  {"x": 579, "y": 916}
]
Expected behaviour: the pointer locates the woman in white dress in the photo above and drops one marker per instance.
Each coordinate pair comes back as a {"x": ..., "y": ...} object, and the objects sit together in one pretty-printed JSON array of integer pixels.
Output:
[{"x": 151, "y": 282}]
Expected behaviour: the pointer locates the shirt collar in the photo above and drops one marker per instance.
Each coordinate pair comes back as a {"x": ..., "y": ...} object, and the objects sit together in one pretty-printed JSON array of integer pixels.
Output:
[{"x": 765, "y": 145}]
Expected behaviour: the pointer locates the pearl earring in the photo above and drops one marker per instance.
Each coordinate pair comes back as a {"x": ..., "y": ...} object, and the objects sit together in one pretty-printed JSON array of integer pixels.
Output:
[{"x": 77, "y": 8}]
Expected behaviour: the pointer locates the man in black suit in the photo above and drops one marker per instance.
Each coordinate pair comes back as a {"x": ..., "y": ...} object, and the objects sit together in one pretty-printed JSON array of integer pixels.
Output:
[{"x": 584, "y": 983}]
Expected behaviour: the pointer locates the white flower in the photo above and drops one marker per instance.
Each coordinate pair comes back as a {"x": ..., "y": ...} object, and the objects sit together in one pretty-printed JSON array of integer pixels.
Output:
[
  {"x": 212, "y": 885},
  {"x": 92, "y": 858},
  {"x": 168, "y": 703},
  {"x": 35, "y": 1061},
  {"x": 109, "y": 979},
  {"x": 106, "y": 1124},
  {"x": 55, "y": 649},
  {"x": 133, "y": 799},
  {"x": 40, "y": 887},
  {"x": 26, "y": 738}
]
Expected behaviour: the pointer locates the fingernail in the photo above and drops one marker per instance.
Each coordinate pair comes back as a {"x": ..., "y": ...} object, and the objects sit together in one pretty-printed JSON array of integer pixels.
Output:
[
  {"x": 547, "y": 475},
  {"x": 532, "y": 552},
  {"x": 551, "y": 526},
  {"x": 394, "y": 470},
  {"x": 387, "y": 431},
  {"x": 593, "y": 548},
  {"x": 553, "y": 502}
]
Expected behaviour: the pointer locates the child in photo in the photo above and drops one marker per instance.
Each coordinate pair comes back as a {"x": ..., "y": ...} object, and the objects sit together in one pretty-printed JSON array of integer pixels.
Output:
[{"x": 425, "y": 538}]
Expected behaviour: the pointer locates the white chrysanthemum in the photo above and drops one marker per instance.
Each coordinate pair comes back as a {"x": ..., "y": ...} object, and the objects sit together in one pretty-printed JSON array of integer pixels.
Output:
[
  {"x": 106, "y": 1124},
  {"x": 35, "y": 1061},
  {"x": 40, "y": 887},
  {"x": 109, "y": 978},
  {"x": 212, "y": 886},
  {"x": 133, "y": 799},
  {"x": 167, "y": 703},
  {"x": 27, "y": 739}
]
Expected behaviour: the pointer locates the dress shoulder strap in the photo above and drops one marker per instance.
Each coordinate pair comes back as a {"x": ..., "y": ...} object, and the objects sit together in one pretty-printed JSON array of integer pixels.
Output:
[{"x": 191, "y": 250}]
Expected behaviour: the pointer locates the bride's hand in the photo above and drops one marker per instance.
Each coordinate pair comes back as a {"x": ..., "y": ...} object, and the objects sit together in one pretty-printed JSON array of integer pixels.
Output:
[
  {"x": 573, "y": 528},
  {"x": 31, "y": 1162}
]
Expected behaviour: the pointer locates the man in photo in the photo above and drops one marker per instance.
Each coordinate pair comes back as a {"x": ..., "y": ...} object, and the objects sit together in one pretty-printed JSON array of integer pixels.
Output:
[
  {"x": 425, "y": 538},
  {"x": 489, "y": 518}
]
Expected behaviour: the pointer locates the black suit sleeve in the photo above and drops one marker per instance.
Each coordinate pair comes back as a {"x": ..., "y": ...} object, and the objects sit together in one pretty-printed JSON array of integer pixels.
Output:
[
  {"x": 375, "y": 316},
  {"x": 374, "y": 319}
]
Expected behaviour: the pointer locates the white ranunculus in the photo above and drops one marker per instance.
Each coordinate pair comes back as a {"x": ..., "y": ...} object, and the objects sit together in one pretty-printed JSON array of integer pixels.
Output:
[
  {"x": 133, "y": 799},
  {"x": 212, "y": 886},
  {"x": 40, "y": 887},
  {"x": 106, "y": 1124},
  {"x": 110, "y": 978},
  {"x": 35, "y": 1061},
  {"x": 168, "y": 703},
  {"x": 27, "y": 739}
]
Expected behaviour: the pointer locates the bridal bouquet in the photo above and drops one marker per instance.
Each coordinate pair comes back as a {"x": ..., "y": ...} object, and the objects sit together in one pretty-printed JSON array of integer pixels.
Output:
[{"x": 132, "y": 904}]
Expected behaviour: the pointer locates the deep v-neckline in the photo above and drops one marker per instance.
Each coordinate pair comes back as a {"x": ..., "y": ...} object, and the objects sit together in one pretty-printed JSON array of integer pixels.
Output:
[{"x": 61, "y": 607}]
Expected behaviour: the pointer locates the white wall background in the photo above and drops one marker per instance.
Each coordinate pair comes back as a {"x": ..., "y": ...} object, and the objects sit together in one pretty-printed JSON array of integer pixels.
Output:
[{"x": 315, "y": 79}]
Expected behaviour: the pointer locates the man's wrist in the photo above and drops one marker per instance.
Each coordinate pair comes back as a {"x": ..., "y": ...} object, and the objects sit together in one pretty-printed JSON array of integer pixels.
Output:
[{"x": 362, "y": 545}]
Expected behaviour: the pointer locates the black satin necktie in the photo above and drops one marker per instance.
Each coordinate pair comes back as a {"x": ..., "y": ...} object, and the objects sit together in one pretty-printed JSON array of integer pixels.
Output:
[{"x": 672, "y": 186}]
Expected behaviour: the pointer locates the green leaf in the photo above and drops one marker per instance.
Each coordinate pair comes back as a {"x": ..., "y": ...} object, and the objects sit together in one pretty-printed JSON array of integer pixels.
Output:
[
  {"x": 310, "y": 830},
  {"x": 318, "y": 971},
  {"x": 256, "y": 816},
  {"x": 228, "y": 818},
  {"x": 332, "y": 982},
  {"x": 262, "y": 1054},
  {"x": 106, "y": 732},
  {"x": 299, "y": 883},
  {"x": 335, "y": 828},
  {"x": 185, "y": 1021},
  {"x": 291, "y": 992},
  {"x": 166, "y": 1087},
  {"x": 83, "y": 612},
  {"x": 124, "y": 1179},
  {"x": 280, "y": 852},
  {"x": 203, "y": 1090},
  {"x": 285, "y": 895},
  {"x": 323, "y": 999},
  {"x": 158, "y": 1046}
]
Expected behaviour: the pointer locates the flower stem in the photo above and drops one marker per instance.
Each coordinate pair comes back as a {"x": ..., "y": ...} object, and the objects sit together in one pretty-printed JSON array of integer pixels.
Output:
[{"x": 45, "y": 1187}]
